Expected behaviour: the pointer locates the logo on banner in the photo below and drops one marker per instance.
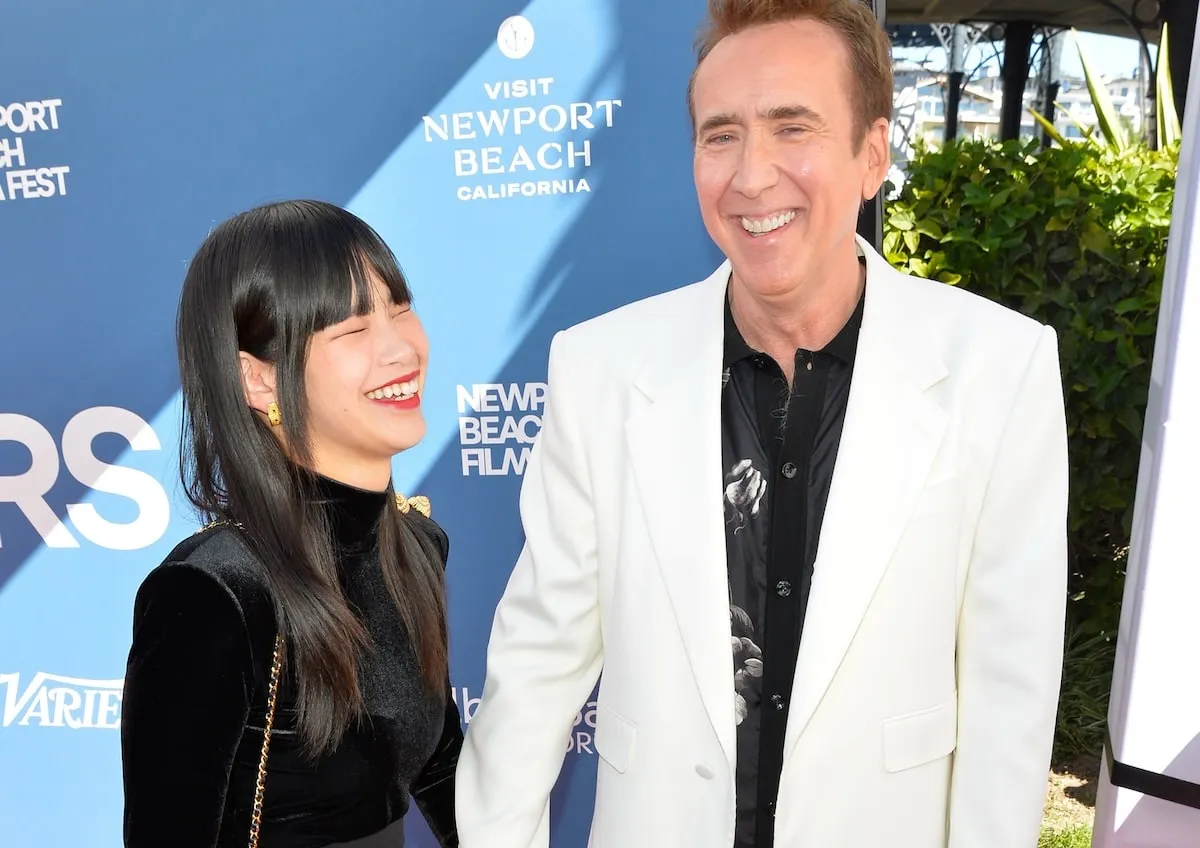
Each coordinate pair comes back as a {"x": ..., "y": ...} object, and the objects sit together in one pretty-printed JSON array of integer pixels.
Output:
[
  {"x": 22, "y": 179},
  {"x": 497, "y": 426},
  {"x": 500, "y": 150},
  {"x": 28, "y": 489},
  {"x": 51, "y": 700},
  {"x": 582, "y": 732},
  {"x": 515, "y": 37}
]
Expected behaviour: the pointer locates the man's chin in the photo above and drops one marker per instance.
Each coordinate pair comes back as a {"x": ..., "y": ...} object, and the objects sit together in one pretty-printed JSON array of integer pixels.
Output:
[{"x": 770, "y": 277}]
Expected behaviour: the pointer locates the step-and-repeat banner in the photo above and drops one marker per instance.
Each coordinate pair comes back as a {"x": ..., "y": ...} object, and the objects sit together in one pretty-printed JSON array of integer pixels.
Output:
[{"x": 530, "y": 165}]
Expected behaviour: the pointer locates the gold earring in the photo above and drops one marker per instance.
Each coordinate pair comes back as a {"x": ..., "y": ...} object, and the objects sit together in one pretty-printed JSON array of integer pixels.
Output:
[{"x": 273, "y": 414}]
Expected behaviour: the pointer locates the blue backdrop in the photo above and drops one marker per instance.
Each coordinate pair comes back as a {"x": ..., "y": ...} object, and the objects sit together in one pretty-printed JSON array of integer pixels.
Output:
[{"x": 530, "y": 167}]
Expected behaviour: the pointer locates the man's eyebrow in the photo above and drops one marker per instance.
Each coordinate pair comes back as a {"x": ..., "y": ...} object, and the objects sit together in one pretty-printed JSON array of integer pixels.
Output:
[
  {"x": 722, "y": 119},
  {"x": 788, "y": 112},
  {"x": 791, "y": 112}
]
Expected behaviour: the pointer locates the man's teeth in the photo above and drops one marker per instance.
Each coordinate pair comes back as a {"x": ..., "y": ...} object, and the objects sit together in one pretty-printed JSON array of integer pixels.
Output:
[
  {"x": 395, "y": 391},
  {"x": 766, "y": 225}
]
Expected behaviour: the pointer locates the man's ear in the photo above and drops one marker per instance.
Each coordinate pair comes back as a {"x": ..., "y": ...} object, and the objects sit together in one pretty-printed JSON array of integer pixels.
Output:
[{"x": 879, "y": 159}]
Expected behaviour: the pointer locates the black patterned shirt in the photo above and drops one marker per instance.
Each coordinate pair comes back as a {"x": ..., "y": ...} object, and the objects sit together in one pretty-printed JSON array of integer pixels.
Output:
[{"x": 778, "y": 450}]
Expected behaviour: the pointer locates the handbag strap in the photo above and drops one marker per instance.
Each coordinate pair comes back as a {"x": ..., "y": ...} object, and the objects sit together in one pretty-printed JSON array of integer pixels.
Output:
[{"x": 261, "y": 783}]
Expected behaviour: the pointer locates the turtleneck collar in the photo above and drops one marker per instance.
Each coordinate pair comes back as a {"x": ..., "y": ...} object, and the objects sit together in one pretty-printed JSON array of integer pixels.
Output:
[{"x": 353, "y": 513}]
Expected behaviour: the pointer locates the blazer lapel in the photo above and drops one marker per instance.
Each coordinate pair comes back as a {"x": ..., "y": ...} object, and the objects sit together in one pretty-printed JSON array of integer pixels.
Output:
[
  {"x": 890, "y": 439},
  {"x": 675, "y": 447}
]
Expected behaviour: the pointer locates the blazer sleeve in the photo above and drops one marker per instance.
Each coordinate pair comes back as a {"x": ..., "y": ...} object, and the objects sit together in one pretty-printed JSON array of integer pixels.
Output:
[
  {"x": 544, "y": 654},
  {"x": 184, "y": 708},
  {"x": 1011, "y": 627}
]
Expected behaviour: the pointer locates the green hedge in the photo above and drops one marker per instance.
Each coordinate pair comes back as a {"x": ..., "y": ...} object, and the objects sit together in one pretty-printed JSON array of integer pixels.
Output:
[{"x": 1076, "y": 237}]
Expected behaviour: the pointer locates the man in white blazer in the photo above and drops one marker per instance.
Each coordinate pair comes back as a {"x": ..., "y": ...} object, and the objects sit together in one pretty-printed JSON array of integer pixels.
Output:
[{"x": 852, "y": 480}]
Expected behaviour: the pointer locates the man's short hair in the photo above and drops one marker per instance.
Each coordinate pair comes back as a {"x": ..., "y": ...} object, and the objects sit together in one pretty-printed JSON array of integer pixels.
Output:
[{"x": 870, "y": 73}]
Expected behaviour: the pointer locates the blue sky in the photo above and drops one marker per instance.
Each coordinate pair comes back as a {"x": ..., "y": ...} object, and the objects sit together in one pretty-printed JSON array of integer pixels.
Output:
[{"x": 1112, "y": 56}]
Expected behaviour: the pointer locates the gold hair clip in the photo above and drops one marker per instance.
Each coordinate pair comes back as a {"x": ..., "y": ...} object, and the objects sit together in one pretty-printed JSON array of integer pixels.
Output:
[{"x": 418, "y": 502}]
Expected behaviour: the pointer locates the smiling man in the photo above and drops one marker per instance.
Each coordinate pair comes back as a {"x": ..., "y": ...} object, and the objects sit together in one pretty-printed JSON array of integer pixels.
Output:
[{"x": 808, "y": 515}]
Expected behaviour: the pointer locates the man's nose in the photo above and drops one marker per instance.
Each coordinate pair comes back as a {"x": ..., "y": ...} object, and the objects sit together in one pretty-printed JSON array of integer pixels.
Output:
[{"x": 757, "y": 167}]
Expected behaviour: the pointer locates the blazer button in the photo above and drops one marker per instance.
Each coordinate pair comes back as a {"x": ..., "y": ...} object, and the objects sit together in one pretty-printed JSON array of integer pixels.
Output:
[{"x": 704, "y": 772}]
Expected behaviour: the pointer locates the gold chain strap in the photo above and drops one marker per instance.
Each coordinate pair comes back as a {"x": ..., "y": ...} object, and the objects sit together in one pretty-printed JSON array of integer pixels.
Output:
[{"x": 261, "y": 783}]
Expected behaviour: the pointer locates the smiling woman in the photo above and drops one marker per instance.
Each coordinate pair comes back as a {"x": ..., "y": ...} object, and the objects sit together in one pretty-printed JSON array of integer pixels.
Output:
[
  {"x": 288, "y": 675},
  {"x": 360, "y": 372}
]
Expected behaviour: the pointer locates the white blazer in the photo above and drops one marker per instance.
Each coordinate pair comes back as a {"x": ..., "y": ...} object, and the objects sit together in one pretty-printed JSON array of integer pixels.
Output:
[{"x": 925, "y": 692}]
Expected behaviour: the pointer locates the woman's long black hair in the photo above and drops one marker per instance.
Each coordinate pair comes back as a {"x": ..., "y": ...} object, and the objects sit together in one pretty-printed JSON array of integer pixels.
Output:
[{"x": 264, "y": 282}]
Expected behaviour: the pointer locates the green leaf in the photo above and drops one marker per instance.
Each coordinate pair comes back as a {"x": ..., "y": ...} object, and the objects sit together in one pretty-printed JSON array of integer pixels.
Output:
[
  {"x": 1164, "y": 96},
  {"x": 1095, "y": 239},
  {"x": 1129, "y": 304},
  {"x": 929, "y": 228},
  {"x": 911, "y": 240},
  {"x": 901, "y": 219},
  {"x": 1088, "y": 133},
  {"x": 1124, "y": 354},
  {"x": 1047, "y": 126},
  {"x": 1106, "y": 114},
  {"x": 1131, "y": 421},
  {"x": 999, "y": 198},
  {"x": 1111, "y": 500},
  {"x": 975, "y": 195}
]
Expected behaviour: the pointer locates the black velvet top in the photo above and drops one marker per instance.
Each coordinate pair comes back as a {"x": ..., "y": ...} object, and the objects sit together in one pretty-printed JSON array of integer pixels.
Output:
[{"x": 195, "y": 702}]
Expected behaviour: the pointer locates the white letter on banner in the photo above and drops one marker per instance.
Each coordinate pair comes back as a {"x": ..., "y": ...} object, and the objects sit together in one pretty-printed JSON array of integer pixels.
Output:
[
  {"x": 154, "y": 510},
  {"x": 442, "y": 131},
  {"x": 544, "y": 160},
  {"x": 465, "y": 164},
  {"x": 584, "y": 153},
  {"x": 28, "y": 489},
  {"x": 491, "y": 160}
]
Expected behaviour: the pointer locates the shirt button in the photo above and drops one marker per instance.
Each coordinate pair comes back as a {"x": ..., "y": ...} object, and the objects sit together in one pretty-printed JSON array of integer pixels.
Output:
[
  {"x": 783, "y": 588},
  {"x": 777, "y": 701},
  {"x": 789, "y": 470}
]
